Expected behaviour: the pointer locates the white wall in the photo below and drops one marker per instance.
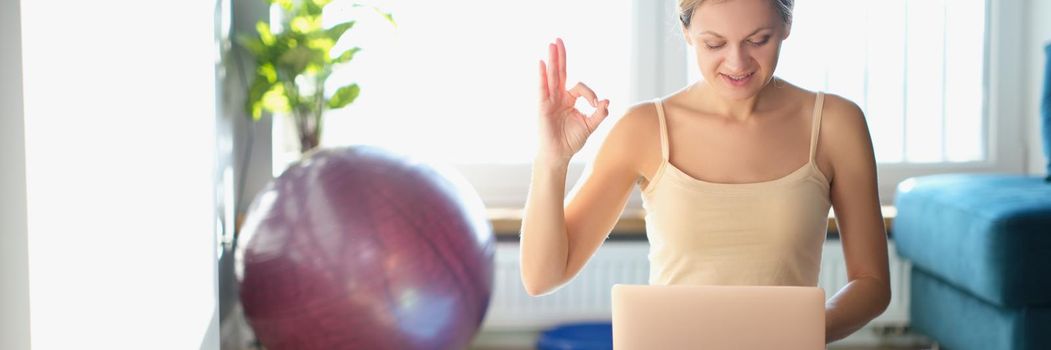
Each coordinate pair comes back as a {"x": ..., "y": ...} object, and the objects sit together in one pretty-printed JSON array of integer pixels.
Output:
[
  {"x": 14, "y": 274},
  {"x": 119, "y": 100},
  {"x": 1039, "y": 24}
]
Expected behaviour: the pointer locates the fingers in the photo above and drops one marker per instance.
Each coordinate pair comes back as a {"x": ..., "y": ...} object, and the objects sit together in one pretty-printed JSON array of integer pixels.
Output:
[
  {"x": 544, "y": 95},
  {"x": 561, "y": 63},
  {"x": 583, "y": 90},
  {"x": 554, "y": 92},
  {"x": 600, "y": 114}
]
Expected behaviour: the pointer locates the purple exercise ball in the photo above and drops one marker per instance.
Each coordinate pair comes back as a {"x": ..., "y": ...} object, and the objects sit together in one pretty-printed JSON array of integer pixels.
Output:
[{"x": 360, "y": 248}]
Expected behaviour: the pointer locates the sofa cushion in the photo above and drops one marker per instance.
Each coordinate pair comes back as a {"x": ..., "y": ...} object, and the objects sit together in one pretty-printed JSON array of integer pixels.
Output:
[
  {"x": 987, "y": 234},
  {"x": 960, "y": 321}
]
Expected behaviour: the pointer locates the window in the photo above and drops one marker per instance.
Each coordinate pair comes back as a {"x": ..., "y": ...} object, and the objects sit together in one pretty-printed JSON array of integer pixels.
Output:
[
  {"x": 456, "y": 81},
  {"x": 935, "y": 79},
  {"x": 915, "y": 67}
]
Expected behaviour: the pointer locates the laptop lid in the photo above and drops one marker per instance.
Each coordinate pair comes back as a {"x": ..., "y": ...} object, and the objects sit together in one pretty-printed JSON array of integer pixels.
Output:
[{"x": 718, "y": 317}]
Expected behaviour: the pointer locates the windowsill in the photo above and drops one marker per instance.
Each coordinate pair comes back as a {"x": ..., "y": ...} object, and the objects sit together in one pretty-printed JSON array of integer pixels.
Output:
[
  {"x": 506, "y": 223},
  {"x": 632, "y": 225}
]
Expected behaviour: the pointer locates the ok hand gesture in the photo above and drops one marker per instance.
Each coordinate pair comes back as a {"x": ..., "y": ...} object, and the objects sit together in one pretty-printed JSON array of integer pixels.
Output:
[{"x": 563, "y": 129}]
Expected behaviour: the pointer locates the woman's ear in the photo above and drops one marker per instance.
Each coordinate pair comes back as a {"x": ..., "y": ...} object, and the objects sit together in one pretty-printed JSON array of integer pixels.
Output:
[
  {"x": 686, "y": 35},
  {"x": 788, "y": 30}
]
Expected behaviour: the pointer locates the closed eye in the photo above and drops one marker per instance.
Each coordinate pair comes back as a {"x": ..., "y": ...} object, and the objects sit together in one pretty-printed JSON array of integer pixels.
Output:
[{"x": 759, "y": 42}]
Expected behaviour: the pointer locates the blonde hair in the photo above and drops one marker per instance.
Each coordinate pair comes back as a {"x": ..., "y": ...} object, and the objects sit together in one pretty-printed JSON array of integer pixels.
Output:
[{"x": 686, "y": 7}]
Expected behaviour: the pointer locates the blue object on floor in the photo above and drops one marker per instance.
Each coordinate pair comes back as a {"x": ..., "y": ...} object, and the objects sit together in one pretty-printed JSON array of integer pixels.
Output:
[
  {"x": 577, "y": 336},
  {"x": 980, "y": 248}
]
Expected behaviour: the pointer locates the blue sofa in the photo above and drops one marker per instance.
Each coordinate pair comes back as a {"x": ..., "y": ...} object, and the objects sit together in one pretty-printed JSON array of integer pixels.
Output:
[{"x": 980, "y": 248}]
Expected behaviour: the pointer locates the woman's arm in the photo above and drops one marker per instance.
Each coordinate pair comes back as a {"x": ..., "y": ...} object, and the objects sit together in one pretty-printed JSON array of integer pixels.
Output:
[
  {"x": 855, "y": 199},
  {"x": 557, "y": 241}
]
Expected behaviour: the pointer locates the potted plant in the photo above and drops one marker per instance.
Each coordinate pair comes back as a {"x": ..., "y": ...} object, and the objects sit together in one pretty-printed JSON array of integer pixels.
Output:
[{"x": 293, "y": 64}]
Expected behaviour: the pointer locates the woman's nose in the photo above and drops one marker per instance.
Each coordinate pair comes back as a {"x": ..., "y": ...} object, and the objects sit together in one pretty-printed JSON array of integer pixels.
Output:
[{"x": 737, "y": 59}]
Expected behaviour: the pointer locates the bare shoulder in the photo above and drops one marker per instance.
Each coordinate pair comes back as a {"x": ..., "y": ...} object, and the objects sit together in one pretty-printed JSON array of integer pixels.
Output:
[
  {"x": 634, "y": 140},
  {"x": 844, "y": 132},
  {"x": 842, "y": 119},
  {"x": 840, "y": 109},
  {"x": 639, "y": 115}
]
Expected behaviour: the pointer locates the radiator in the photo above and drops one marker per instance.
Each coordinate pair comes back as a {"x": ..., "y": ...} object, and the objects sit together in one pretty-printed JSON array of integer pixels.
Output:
[{"x": 587, "y": 296}]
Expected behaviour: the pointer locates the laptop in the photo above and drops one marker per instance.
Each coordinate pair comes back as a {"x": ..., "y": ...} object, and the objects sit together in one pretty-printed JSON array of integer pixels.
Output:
[{"x": 718, "y": 317}]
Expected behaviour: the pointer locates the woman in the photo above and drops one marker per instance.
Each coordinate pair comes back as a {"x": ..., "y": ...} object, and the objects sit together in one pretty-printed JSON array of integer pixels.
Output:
[{"x": 718, "y": 163}]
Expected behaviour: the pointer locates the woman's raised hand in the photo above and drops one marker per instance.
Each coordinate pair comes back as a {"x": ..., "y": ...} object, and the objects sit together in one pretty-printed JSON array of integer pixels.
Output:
[{"x": 563, "y": 129}]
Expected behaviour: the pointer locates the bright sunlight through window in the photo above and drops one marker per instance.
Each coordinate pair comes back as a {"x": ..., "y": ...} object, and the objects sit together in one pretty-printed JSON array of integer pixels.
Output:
[
  {"x": 915, "y": 67},
  {"x": 457, "y": 80}
]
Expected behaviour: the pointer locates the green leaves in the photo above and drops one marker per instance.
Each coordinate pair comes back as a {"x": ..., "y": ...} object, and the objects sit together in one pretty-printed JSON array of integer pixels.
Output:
[
  {"x": 285, "y": 4},
  {"x": 387, "y": 15},
  {"x": 346, "y": 56},
  {"x": 275, "y": 100},
  {"x": 267, "y": 72},
  {"x": 255, "y": 97},
  {"x": 295, "y": 59},
  {"x": 254, "y": 45},
  {"x": 337, "y": 31},
  {"x": 265, "y": 36},
  {"x": 305, "y": 24},
  {"x": 344, "y": 96},
  {"x": 312, "y": 8},
  {"x": 301, "y": 53}
]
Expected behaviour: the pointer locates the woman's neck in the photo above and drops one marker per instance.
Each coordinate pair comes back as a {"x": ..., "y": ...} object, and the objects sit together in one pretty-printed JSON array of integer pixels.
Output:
[{"x": 743, "y": 110}]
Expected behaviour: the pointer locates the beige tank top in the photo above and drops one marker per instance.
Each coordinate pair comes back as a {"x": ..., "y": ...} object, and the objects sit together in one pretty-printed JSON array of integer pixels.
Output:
[{"x": 761, "y": 233}]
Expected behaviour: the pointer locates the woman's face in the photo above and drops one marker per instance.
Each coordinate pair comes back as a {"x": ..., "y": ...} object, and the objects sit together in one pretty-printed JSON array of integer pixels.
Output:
[{"x": 737, "y": 43}]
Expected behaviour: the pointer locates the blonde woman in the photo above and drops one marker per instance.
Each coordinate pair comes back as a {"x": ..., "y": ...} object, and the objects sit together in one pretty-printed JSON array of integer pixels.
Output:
[{"x": 738, "y": 172}]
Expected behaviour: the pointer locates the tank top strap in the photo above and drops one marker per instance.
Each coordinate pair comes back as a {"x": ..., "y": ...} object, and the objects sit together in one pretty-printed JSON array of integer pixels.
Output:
[
  {"x": 816, "y": 128},
  {"x": 663, "y": 128}
]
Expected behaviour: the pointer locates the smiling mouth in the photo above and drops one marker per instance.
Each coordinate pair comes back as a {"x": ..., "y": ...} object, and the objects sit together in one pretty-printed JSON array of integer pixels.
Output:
[{"x": 738, "y": 77}]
